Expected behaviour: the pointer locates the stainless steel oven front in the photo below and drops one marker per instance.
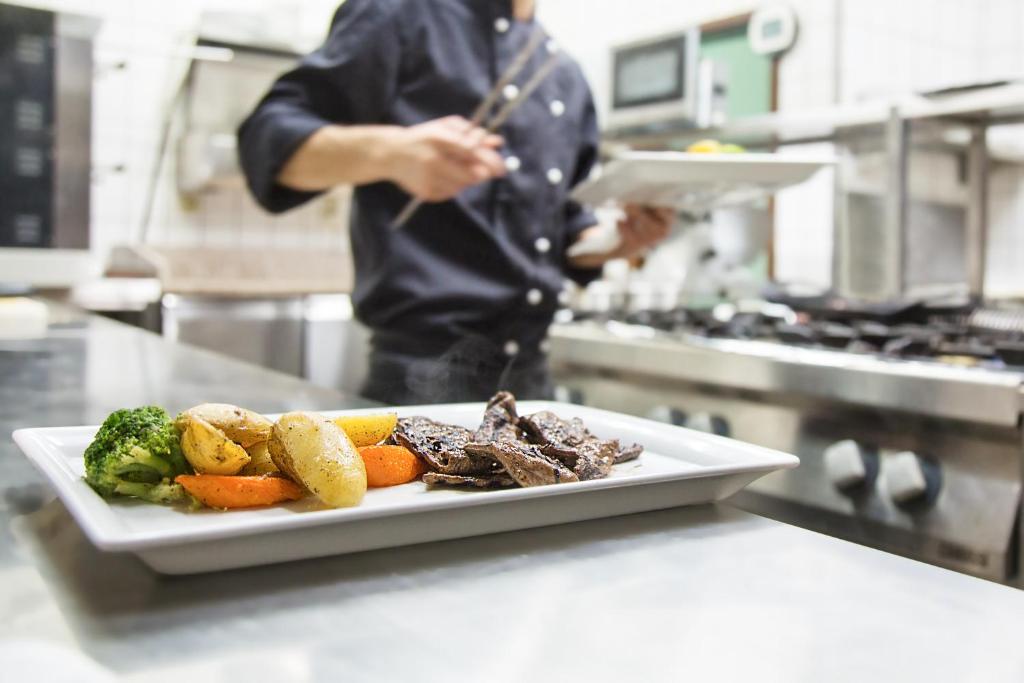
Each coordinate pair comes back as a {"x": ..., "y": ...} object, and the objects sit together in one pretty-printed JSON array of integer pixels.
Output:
[{"x": 914, "y": 458}]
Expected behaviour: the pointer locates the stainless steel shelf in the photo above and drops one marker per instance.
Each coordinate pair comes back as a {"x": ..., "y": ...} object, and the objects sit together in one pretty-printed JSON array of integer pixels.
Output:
[{"x": 989, "y": 106}]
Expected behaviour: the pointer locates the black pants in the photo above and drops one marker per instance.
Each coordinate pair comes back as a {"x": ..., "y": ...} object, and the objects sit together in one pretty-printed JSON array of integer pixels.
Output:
[{"x": 472, "y": 370}]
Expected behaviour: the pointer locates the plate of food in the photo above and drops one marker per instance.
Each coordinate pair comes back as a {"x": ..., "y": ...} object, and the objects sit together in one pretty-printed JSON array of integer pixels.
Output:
[{"x": 220, "y": 487}]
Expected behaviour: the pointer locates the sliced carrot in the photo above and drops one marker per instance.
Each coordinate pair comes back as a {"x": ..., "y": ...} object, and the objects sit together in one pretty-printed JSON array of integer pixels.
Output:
[
  {"x": 391, "y": 465},
  {"x": 228, "y": 491}
]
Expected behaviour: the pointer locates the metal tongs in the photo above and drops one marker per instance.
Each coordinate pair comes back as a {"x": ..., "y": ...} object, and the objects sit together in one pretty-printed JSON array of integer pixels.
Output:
[{"x": 489, "y": 102}]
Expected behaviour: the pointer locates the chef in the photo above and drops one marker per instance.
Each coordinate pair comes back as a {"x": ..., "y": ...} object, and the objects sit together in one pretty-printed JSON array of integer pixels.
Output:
[{"x": 460, "y": 298}]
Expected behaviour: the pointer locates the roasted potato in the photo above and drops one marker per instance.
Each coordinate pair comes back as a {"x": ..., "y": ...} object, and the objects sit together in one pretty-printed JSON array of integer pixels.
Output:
[
  {"x": 317, "y": 454},
  {"x": 242, "y": 426},
  {"x": 260, "y": 462},
  {"x": 367, "y": 430},
  {"x": 208, "y": 449}
]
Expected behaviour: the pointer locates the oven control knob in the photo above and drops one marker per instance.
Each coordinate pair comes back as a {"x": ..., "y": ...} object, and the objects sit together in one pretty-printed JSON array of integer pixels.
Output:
[
  {"x": 906, "y": 479},
  {"x": 708, "y": 423},
  {"x": 846, "y": 464}
]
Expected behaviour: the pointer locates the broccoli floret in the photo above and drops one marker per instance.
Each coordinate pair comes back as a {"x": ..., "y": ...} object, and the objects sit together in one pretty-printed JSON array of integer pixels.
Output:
[{"x": 137, "y": 453}]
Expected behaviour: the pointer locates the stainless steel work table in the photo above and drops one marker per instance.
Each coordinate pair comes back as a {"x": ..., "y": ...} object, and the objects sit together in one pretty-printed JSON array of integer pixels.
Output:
[{"x": 705, "y": 592}]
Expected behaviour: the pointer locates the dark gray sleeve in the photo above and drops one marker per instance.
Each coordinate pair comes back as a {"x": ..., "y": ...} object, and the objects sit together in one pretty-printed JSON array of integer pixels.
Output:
[
  {"x": 350, "y": 79},
  {"x": 578, "y": 217}
]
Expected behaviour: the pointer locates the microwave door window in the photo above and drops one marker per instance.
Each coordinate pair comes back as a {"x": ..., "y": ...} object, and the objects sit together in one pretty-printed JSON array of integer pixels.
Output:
[{"x": 650, "y": 75}]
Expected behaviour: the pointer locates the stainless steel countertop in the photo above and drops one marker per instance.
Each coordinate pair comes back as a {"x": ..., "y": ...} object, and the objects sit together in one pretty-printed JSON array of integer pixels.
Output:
[{"x": 706, "y": 591}]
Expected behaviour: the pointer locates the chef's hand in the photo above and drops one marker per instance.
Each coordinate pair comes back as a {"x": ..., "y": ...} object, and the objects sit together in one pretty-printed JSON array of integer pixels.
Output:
[
  {"x": 437, "y": 160},
  {"x": 640, "y": 229}
]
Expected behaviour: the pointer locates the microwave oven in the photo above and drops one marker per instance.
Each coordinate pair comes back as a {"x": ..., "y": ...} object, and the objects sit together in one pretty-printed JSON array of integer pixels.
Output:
[{"x": 661, "y": 82}]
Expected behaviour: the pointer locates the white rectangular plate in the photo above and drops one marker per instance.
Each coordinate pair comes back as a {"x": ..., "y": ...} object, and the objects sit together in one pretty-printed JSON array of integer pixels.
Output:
[
  {"x": 695, "y": 181},
  {"x": 678, "y": 467}
]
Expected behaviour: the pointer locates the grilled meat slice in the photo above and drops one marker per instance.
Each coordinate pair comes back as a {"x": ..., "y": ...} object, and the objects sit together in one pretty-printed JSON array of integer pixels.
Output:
[
  {"x": 631, "y": 453},
  {"x": 487, "y": 481},
  {"x": 442, "y": 446},
  {"x": 595, "y": 459},
  {"x": 550, "y": 430},
  {"x": 524, "y": 463},
  {"x": 500, "y": 420},
  {"x": 570, "y": 442}
]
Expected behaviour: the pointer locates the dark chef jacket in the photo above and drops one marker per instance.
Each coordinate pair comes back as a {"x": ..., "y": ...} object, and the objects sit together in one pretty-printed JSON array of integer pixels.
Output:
[{"x": 490, "y": 262}]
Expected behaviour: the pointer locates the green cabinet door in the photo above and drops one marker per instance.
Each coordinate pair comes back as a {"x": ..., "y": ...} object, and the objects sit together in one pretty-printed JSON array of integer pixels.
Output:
[{"x": 749, "y": 75}]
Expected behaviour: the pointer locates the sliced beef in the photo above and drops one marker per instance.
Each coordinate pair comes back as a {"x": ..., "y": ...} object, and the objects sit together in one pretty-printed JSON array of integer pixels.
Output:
[
  {"x": 489, "y": 481},
  {"x": 570, "y": 442},
  {"x": 631, "y": 453},
  {"x": 442, "y": 446},
  {"x": 550, "y": 430},
  {"x": 525, "y": 463},
  {"x": 507, "y": 449},
  {"x": 595, "y": 460},
  {"x": 500, "y": 420}
]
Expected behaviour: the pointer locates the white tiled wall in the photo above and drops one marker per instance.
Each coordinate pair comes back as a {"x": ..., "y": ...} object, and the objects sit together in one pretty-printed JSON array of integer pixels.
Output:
[{"x": 892, "y": 48}]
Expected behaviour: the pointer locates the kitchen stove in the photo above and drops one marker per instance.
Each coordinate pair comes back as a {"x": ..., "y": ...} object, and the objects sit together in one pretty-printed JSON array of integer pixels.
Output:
[
  {"x": 907, "y": 419},
  {"x": 946, "y": 339}
]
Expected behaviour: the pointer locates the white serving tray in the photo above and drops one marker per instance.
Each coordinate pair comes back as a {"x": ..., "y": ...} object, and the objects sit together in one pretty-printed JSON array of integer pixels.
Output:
[
  {"x": 678, "y": 467},
  {"x": 696, "y": 182}
]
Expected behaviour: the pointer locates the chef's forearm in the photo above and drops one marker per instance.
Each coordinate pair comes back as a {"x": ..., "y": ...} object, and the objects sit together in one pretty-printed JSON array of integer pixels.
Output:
[{"x": 340, "y": 155}]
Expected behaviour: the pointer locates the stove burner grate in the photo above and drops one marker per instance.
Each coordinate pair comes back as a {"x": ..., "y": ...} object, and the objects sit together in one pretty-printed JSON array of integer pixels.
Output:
[{"x": 944, "y": 339}]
